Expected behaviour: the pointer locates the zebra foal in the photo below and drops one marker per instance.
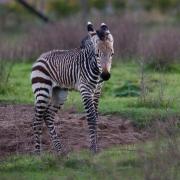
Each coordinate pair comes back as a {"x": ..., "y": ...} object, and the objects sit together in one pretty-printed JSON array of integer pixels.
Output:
[{"x": 82, "y": 69}]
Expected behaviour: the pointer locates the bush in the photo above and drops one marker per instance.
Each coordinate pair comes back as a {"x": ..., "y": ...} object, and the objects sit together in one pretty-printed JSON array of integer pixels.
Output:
[
  {"x": 162, "y": 5},
  {"x": 53, "y": 36},
  {"x": 99, "y": 4},
  {"x": 126, "y": 33},
  {"x": 63, "y": 7},
  {"x": 162, "y": 48},
  {"x": 159, "y": 49}
]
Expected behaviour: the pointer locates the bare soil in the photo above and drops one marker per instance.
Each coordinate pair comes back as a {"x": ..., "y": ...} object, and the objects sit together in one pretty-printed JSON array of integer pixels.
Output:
[{"x": 16, "y": 135}]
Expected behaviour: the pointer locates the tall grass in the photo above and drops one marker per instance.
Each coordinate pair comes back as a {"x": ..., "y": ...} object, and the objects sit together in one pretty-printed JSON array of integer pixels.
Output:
[
  {"x": 162, "y": 48},
  {"x": 60, "y": 35},
  {"x": 132, "y": 38},
  {"x": 7, "y": 56}
]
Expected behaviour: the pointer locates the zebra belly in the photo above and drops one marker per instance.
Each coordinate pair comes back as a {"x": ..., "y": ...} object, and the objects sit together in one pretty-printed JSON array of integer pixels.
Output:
[
  {"x": 70, "y": 86},
  {"x": 59, "y": 95}
]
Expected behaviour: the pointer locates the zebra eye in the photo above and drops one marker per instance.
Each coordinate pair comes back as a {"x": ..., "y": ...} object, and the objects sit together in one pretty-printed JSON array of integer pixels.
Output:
[{"x": 97, "y": 55}]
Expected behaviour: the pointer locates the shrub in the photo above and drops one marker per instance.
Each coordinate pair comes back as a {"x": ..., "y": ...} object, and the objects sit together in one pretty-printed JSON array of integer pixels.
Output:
[
  {"x": 53, "y": 36},
  {"x": 158, "y": 49},
  {"x": 63, "y": 7},
  {"x": 162, "y": 48},
  {"x": 162, "y": 5},
  {"x": 126, "y": 33},
  {"x": 67, "y": 35},
  {"x": 99, "y": 4}
]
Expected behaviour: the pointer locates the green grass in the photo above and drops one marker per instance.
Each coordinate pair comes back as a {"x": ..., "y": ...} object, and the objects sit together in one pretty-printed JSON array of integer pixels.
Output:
[
  {"x": 162, "y": 99},
  {"x": 126, "y": 162},
  {"x": 132, "y": 162},
  {"x": 110, "y": 164}
]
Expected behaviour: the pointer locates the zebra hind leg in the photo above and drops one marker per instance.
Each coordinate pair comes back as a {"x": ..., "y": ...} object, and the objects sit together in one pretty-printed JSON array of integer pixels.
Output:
[
  {"x": 40, "y": 109},
  {"x": 49, "y": 121},
  {"x": 58, "y": 98}
]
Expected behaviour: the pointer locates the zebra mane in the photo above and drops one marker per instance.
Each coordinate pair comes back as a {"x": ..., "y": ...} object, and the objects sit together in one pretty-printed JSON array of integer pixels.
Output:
[{"x": 84, "y": 42}]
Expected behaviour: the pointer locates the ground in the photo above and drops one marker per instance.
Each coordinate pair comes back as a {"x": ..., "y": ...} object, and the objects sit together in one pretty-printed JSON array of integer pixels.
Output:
[{"x": 16, "y": 130}]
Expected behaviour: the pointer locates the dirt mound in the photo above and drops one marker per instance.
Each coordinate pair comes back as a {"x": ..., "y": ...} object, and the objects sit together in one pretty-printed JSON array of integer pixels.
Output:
[{"x": 16, "y": 130}]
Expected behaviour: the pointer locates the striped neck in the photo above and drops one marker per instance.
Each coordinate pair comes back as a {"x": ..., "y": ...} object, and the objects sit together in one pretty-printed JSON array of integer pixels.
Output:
[
  {"x": 92, "y": 59},
  {"x": 90, "y": 63}
]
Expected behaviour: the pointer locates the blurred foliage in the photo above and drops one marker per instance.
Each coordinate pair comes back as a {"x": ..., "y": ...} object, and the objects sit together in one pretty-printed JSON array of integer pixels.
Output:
[
  {"x": 99, "y": 4},
  {"x": 119, "y": 4},
  {"x": 13, "y": 7},
  {"x": 11, "y": 14},
  {"x": 69, "y": 7},
  {"x": 162, "y": 5},
  {"x": 3, "y": 9},
  {"x": 63, "y": 7}
]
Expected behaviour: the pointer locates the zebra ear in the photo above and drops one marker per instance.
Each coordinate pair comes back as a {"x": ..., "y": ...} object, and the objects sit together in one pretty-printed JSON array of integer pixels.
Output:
[
  {"x": 104, "y": 28},
  {"x": 103, "y": 32},
  {"x": 90, "y": 29}
]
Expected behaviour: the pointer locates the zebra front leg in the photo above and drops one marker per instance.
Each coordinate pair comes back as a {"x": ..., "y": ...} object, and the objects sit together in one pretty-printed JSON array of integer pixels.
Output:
[
  {"x": 91, "y": 119},
  {"x": 96, "y": 98}
]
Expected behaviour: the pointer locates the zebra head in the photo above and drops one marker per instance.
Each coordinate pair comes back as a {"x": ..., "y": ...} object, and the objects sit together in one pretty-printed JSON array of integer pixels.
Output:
[{"x": 102, "y": 41}]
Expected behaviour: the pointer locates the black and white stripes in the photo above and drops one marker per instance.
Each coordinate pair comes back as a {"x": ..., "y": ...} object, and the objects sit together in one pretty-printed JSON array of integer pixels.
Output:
[{"x": 82, "y": 69}]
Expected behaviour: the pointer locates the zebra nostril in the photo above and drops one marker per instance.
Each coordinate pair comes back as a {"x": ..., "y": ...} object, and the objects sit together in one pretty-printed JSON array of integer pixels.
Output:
[{"x": 105, "y": 76}]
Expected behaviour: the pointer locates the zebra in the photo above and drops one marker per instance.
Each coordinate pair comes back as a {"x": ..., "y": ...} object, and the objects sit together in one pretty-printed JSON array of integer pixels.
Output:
[{"x": 83, "y": 69}]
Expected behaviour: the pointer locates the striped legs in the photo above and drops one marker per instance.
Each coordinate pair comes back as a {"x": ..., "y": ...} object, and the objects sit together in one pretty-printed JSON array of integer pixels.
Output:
[
  {"x": 91, "y": 118},
  {"x": 49, "y": 121},
  {"x": 58, "y": 98},
  {"x": 46, "y": 111},
  {"x": 40, "y": 108},
  {"x": 47, "y": 115},
  {"x": 96, "y": 98}
]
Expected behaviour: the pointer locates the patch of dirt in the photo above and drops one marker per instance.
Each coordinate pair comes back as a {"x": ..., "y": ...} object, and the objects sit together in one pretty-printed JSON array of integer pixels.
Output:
[{"x": 16, "y": 135}]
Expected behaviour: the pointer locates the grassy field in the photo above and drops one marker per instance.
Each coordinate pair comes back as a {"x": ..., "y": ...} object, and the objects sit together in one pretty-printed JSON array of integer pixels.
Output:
[
  {"x": 154, "y": 97},
  {"x": 126, "y": 163},
  {"x": 109, "y": 164},
  {"x": 148, "y": 97},
  {"x": 142, "y": 97}
]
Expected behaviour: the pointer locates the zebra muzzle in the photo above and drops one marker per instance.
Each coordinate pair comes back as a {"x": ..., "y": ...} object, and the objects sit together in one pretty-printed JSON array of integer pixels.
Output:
[{"x": 105, "y": 76}]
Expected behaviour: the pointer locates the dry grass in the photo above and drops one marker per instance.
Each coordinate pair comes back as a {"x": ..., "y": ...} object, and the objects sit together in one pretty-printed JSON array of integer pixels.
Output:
[
  {"x": 126, "y": 32},
  {"x": 132, "y": 40},
  {"x": 161, "y": 48},
  {"x": 52, "y": 36}
]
